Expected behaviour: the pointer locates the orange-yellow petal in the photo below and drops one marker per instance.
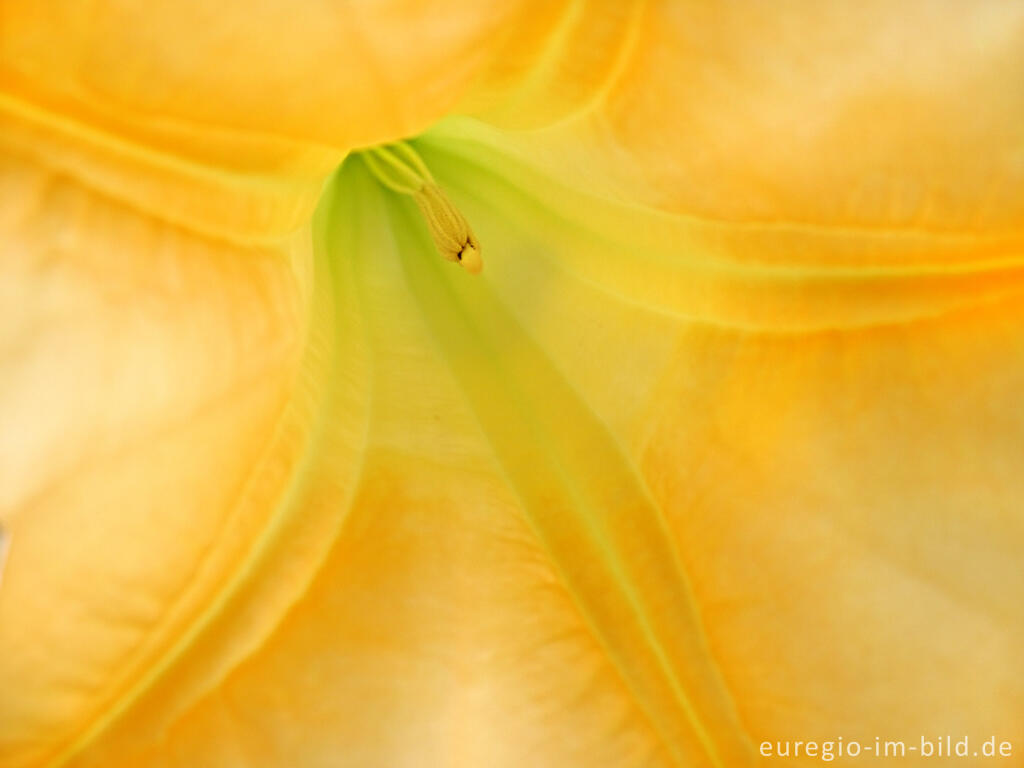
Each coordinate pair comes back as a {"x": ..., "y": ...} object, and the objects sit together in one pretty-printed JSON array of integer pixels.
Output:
[
  {"x": 598, "y": 523},
  {"x": 836, "y": 114},
  {"x": 658, "y": 486},
  {"x": 182, "y": 75},
  {"x": 161, "y": 393}
]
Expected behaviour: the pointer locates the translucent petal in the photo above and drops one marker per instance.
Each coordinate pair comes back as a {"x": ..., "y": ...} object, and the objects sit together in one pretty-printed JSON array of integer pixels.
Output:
[
  {"x": 180, "y": 75},
  {"x": 160, "y": 394},
  {"x": 833, "y": 115},
  {"x": 659, "y": 485},
  {"x": 228, "y": 119},
  {"x": 720, "y": 111},
  {"x": 594, "y": 522}
]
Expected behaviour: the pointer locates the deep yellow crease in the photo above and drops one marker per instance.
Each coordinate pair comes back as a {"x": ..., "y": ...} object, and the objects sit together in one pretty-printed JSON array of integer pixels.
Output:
[
  {"x": 544, "y": 66},
  {"x": 37, "y": 118},
  {"x": 794, "y": 330},
  {"x": 540, "y": 439},
  {"x": 1007, "y": 275},
  {"x": 120, "y": 703},
  {"x": 340, "y": 262},
  {"x": 627, "y": 47},
  {"x": 34, "y": 114},
  {"x": 177, "y": 124},
  {"x": 1014, "y": 286}
]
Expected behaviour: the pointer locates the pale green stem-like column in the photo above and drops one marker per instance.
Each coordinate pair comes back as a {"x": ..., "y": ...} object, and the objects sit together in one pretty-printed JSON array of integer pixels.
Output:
[{"x": 399, "y": 168}]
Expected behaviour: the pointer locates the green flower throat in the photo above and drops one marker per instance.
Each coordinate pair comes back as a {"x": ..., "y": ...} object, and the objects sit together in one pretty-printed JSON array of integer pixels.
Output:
[{"x": 399, "y": 168}]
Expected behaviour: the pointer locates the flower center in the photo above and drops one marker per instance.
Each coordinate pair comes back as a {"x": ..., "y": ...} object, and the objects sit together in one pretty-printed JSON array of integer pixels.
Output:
[{"x": 399, "y": 168}]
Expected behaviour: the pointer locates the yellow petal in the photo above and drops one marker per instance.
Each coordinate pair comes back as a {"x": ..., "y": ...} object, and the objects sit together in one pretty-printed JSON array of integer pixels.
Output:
[
  {"x": 853, "y": 519},
  {"x": 160, "y": 393},
  {"x": 789, "y": 415},
  {"x": 485, "y": 601},
  {"x": 798, "y": 114},
  {"x": 177, "y": 74},
  {"x": 596, "y": 523},
  {"x": 833, "y": 447},
  {"x": 227, "y": 120},
  {"x": 725, "y": 112}
]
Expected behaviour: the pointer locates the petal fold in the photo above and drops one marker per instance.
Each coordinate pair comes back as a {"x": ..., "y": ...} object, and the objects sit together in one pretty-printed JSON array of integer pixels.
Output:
[
  {"x": 162, "y": 395},
  {"x": 836, "y": 115},
  {"x": 595, "y": 525}
]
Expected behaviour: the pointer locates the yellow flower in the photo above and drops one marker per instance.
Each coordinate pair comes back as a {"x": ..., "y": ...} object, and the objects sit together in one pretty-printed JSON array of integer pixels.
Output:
[{"x": 719, "y": 453}]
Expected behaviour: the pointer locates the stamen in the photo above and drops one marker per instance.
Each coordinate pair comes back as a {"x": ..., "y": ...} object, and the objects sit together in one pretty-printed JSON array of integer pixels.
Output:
[{"x": 399, "y": 168}]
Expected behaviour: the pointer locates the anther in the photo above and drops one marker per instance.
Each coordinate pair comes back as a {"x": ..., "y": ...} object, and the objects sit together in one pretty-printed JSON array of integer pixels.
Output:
[{"x": 399, "y": 168}]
